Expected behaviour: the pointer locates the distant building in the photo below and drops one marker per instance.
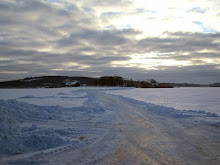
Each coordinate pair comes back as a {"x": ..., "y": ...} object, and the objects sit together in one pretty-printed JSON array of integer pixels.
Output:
[{"x": 72, "y": 84}]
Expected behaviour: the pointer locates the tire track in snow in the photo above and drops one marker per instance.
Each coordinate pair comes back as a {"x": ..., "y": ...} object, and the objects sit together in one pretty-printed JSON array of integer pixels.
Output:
[{"x": 146, "y": 137}]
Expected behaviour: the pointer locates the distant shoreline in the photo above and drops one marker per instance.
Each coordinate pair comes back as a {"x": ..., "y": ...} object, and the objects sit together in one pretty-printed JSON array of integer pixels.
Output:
[{"x": 105, "y": 81}]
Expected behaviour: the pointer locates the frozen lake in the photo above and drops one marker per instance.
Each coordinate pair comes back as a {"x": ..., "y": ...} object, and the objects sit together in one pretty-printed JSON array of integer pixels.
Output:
[{"x": 207, "y": 99}]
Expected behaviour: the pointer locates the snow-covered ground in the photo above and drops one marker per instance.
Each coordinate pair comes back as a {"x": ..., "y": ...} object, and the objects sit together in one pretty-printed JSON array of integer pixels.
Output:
[
  {"x": 109, "y": 126},
  {"x": 207, "y": 99},
  {"x": 46, "y": 96}
]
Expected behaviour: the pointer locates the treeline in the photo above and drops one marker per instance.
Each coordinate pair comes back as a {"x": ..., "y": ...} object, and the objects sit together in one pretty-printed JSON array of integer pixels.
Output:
[
  {"x": 45, "y": 82},
  {"x": 109, "y": 81},
  {"x": 60, "y": 81},
  {"x": 120, "y": 81}
]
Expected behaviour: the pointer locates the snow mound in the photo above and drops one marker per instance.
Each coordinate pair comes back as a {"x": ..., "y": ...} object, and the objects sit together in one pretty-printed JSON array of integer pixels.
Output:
[
  {"x": 27, "y": 128},
  {"x": 17, "y": 136}
]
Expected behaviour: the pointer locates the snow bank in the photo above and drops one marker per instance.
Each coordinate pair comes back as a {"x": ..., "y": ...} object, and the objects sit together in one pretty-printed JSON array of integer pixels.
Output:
[
  {"x": 28, "y": 128},
  {"x": 18, "y": 136}
]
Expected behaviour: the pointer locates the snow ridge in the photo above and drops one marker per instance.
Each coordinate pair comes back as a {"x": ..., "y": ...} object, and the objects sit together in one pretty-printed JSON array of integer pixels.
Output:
[{"x": 169, "y": 111}]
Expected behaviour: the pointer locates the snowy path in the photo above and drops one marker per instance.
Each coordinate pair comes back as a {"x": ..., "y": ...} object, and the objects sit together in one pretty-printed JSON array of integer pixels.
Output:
[{"x": 115, "y": 130}]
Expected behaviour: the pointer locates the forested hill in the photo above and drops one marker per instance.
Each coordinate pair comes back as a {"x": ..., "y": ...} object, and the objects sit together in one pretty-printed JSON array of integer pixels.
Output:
[
  {"x": 60, "y": 81},
  {"x": 45, "y": 81}
]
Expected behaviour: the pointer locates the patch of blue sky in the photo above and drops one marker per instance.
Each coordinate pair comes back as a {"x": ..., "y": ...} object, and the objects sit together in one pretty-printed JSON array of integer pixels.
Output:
[
  {"x": 205, "y": 28},
  {"x": 198, "y": 10},
  {"x": 152, "y": 11},
  {"x": 68, "y": 6},
  {"x": 53, "y": 1},
  {"x": 88, "y": 10},
  {"x": 108, "y": 14},
  {"x": 127, "y": 26},
  {"x": 110, "y": 27},
  {"x": 140, "y": 10}
]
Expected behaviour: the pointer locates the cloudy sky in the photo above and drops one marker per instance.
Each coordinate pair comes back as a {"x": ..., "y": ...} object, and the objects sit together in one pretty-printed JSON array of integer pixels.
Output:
[{"x": 170, "y": 41}]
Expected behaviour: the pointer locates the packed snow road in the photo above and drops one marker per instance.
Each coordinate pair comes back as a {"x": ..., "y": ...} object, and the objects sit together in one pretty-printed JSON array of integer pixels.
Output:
[{"x": 107, "y": 129}]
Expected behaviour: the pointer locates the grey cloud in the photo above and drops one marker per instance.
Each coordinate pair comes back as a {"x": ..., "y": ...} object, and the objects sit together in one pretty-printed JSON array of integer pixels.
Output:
[
  {"x": 27, "y": 27},
  {"x": 195, "y": 56},
  {"x": 196, "y": 74},
  {"x": 24, "y": 60},
  {"x": 99, "y": 37},
  {"x": 36, "y": 17},
  {"x": 101, "y": 3},
  {"x": 35, "y": 24},
  {"x": 192, "y": 56},
  {"x": 183, "y": 47},
  {"x": 191, "y": 74},
  {"x": 95, "y": 59},
  {"x": 181, "y": 42}
]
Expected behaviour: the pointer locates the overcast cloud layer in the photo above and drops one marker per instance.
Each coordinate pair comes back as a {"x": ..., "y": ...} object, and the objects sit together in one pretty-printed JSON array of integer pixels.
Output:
[{"x": 171, "y": 41}]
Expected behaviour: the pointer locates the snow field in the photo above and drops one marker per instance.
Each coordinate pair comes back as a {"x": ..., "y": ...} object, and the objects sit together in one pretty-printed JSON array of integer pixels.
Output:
[
  {"x": 204, "y": 99},
  {"x": 84, "y": 125}
]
